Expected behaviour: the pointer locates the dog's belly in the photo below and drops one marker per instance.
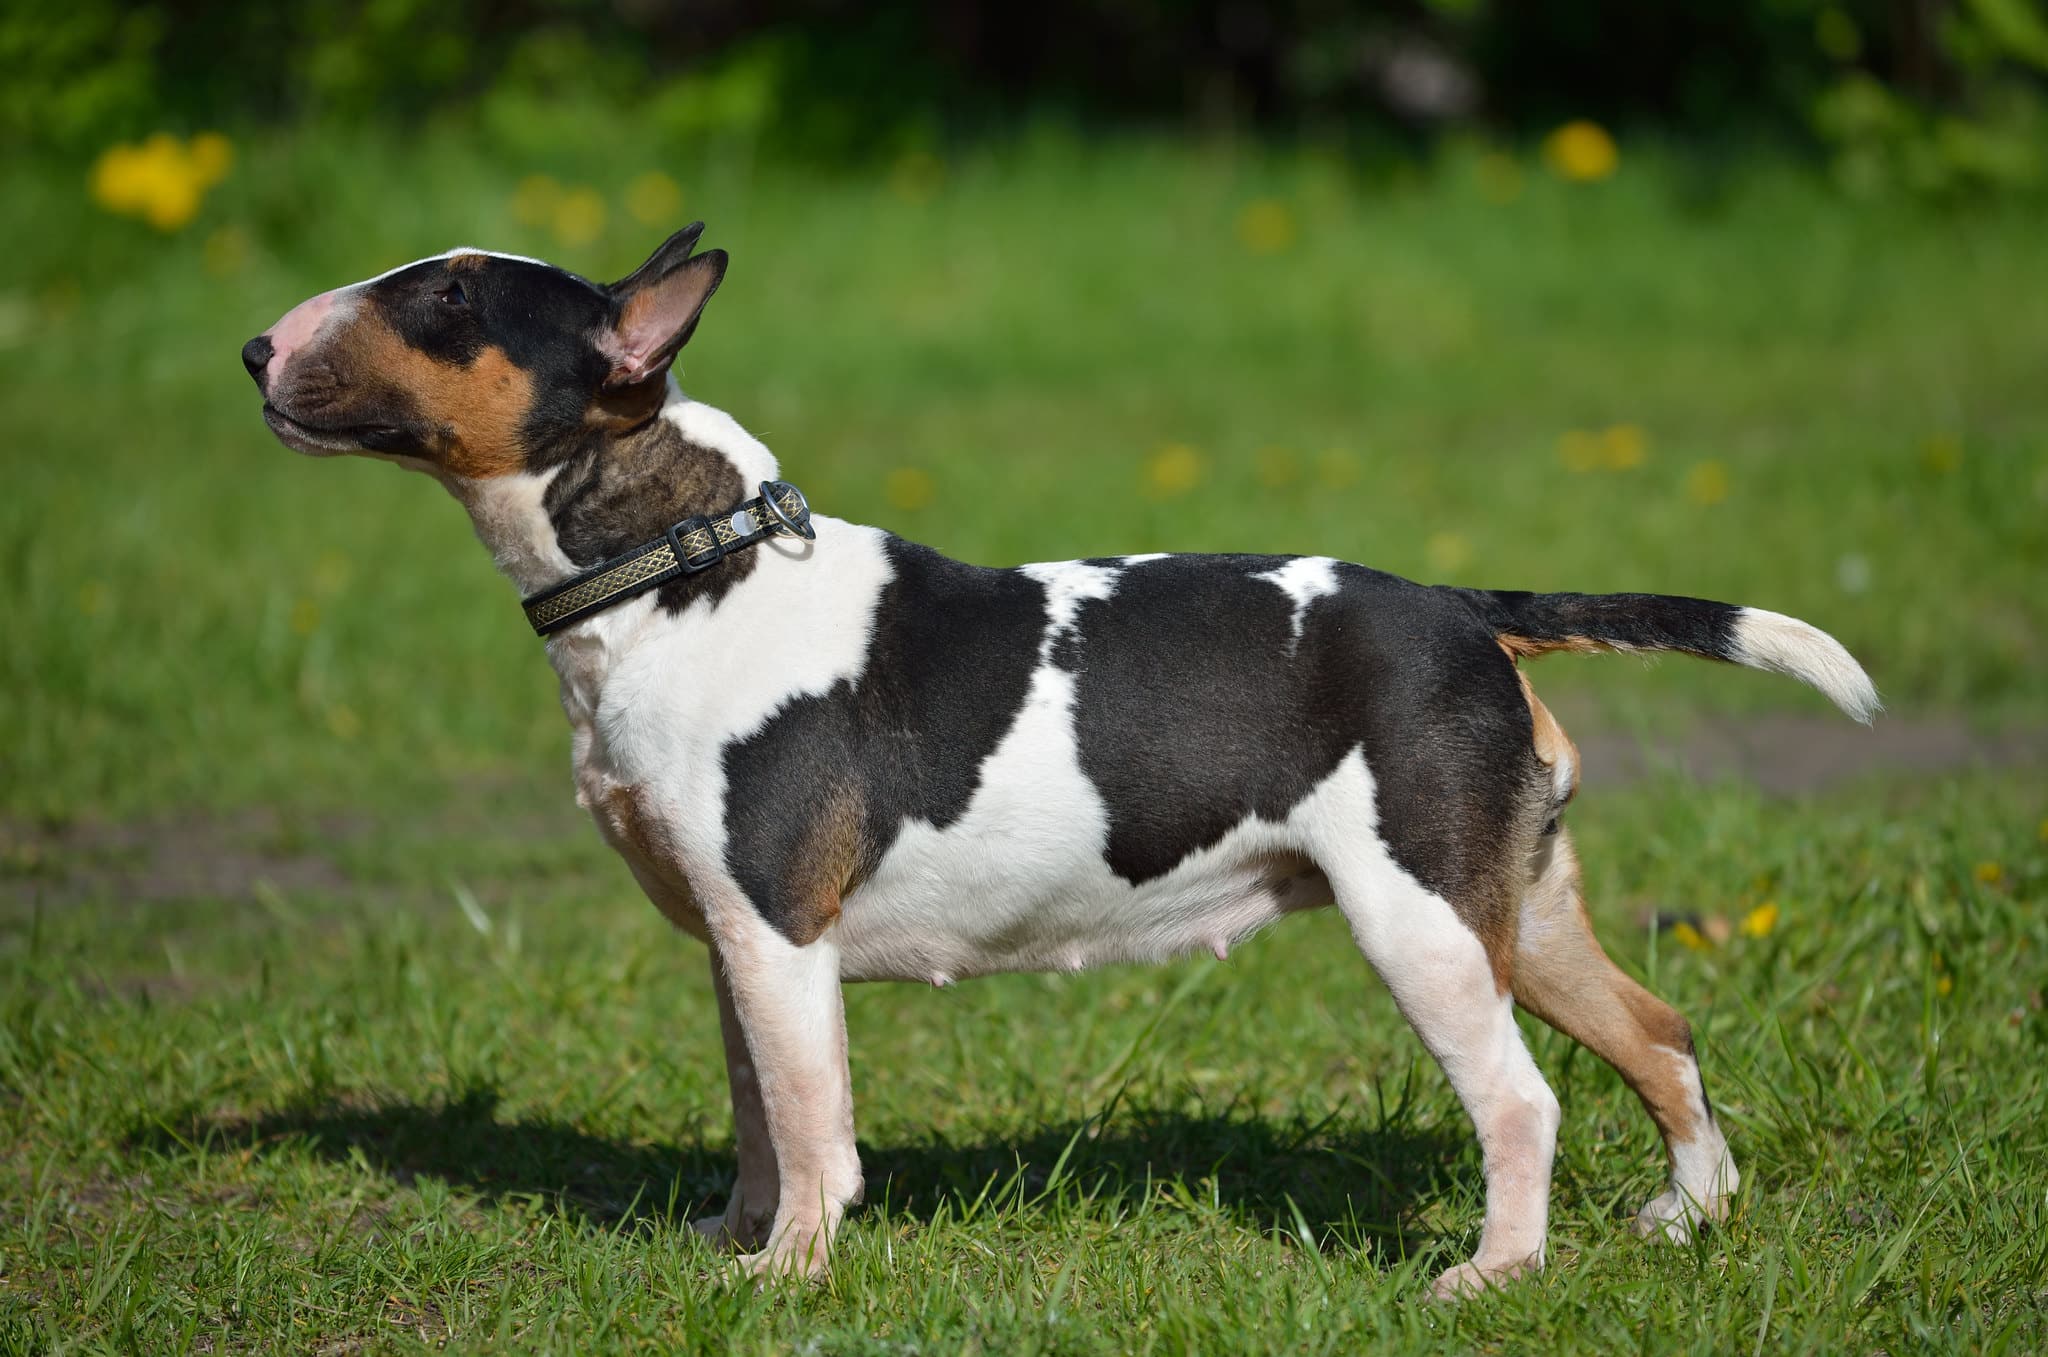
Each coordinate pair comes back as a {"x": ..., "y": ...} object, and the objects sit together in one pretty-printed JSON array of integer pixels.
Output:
[{"x": 923, "y": 923}]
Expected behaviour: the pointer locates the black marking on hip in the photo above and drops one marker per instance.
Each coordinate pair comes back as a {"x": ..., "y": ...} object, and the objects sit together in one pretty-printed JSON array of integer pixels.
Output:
[{"x": 1192, "y": 715}]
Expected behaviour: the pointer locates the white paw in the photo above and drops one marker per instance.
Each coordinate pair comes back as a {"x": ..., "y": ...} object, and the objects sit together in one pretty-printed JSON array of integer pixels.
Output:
[
  {"x": 1675, "y": 1215},
  {"x": 1703, "y": 1183},
  {"x": 1469, "y": 1279},
  {"x": 799, "y": 1250}
]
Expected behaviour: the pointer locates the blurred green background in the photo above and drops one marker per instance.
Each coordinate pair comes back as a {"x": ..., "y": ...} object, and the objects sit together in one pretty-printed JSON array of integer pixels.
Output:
[
  {"x": 1723, "y": 299},
  {"x": 302, "y": 940}
]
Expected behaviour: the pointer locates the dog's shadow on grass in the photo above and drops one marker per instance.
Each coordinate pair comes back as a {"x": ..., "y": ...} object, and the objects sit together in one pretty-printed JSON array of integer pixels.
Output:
[{"x": 1352, "y": 1186}]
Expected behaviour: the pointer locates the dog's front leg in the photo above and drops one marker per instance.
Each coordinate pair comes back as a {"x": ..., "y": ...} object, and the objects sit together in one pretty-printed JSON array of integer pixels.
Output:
[
  {"x": 792, "y": 1022},
  {"x": 750, "y": 1211}
]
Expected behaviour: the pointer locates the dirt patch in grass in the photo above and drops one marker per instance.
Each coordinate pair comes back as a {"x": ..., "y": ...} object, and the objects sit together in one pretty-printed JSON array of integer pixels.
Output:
[
  {"x": 1795, "y": 755},
  {"x": 233, "y": 856}
]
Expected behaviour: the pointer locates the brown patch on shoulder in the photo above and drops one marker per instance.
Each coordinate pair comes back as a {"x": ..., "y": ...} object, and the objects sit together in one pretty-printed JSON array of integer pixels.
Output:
[
  {"x": 640, "y": 835},
  {"x": 627, "y": 488},
  {"x": 475, "y": 410},
  {"x": 828, "y": 864}
]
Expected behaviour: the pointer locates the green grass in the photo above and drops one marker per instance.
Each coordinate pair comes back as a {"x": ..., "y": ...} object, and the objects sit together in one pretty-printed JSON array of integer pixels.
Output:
[
  {"x": 328, "y": 1026},
  {"x": 378, "y": 1116}
]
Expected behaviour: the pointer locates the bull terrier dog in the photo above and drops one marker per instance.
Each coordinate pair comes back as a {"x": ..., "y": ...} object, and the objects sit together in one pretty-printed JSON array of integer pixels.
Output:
[{"x": 832, "y": 754}]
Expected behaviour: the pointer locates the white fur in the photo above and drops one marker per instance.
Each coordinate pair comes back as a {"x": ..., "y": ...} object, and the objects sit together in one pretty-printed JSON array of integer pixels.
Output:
[
  {"x": 450, "y": 254},
  {"x": 511, "y": 520},
  {"x": 1786, "y": 645},
  {"x": 1068, "y": 584},
  {"x": 1304, "y": 579}
]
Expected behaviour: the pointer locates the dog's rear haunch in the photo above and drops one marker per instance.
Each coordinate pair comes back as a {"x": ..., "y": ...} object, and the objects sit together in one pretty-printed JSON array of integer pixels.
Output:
[{"x": 852, "y": 758}]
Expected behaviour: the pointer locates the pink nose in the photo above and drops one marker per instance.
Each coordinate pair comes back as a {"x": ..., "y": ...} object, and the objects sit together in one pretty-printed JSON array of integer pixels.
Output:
[{"x": 295, "y": 331}]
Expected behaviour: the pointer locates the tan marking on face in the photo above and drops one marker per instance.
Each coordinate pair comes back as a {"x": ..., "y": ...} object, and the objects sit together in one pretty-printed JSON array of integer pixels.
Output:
[
  {"x": 474, "y": 411},
  {"x": 1564, "y": 977}
]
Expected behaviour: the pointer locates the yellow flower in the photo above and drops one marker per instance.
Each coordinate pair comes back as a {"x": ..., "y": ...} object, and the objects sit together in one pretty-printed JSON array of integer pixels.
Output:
[
  {"x": 162, "y": 180},
  {"x": 909, "y": 488},
  {"x": 535, "y": 200},
  {"x": 1581, "y": 151},
  {"x": 1706, "y": 483},
  {"x": 343, "y": 721},
  {"x": 1266, "y": 226},
  {"x": 1277, "y": 468},
  {"x": 1759, "y": 922},
  {"x": 1990, "y": 873},
  {"x": 917, "y": 177},
  {"x": 1944, "y": 983},
  {"x": 1579, "y": 450},
  {"x": 579, "y": 217},
  {"x": 1943, "y": 453},
  {"x": 1500, "y": 178},
  {"x": 1174, "y": 470},
  {"x": 1689, "y": 936},
  {"x": 1623, "y": 446},
  {"x": 1447, "y": 551},
  {"x": 2044, "y": 831},
  {"x": 305, "y": 619},
  {"x": 654, "y": 199}
]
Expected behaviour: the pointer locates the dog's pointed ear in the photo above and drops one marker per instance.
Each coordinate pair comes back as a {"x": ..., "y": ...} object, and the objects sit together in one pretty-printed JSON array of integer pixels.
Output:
[{"x": 656, "y": 307}]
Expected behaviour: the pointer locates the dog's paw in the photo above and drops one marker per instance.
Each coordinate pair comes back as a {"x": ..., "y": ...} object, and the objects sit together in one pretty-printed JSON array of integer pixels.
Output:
[
  {"x": 795, "y": 1252},
  {"x": 1469, "y": 1279},
  {"x": 1675, "y": 1216}
]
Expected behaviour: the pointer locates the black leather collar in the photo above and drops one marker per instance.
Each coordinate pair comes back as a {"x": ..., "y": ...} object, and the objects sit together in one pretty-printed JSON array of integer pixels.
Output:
[{"x": 690, "y": 546}]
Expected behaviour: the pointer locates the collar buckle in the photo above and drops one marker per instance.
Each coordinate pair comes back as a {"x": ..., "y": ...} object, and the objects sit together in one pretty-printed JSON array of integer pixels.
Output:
[{"x": 696, "y": 546}]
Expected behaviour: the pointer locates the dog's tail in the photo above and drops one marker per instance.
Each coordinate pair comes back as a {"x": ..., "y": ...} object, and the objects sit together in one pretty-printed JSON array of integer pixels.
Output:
[{"x": 1536, "y": 624}]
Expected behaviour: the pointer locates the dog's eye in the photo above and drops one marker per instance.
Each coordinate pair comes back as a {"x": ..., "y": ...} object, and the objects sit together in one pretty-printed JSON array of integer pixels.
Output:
[{"x": 453, "y": 295}]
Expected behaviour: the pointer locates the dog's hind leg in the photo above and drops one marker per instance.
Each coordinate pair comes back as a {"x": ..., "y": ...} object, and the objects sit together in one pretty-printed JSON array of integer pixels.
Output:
[
  {"x": 1445, "y": 985},
  {"x": 750, "y": 1211},
  {"x": 1563, "y": 976}
]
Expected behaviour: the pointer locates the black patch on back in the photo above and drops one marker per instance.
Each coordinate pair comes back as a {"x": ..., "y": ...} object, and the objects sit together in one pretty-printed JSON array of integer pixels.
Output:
[
  {"x": 948, "y": 668},
  {"x": 1192, "y": 714}
]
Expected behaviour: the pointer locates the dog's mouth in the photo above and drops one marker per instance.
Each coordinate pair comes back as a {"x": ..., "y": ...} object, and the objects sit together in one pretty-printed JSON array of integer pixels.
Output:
[{"x": 318, "y": 440}]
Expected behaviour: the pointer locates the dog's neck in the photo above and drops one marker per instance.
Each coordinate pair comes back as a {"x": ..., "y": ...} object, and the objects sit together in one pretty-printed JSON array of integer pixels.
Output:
[{"x": 613, "y": 490}]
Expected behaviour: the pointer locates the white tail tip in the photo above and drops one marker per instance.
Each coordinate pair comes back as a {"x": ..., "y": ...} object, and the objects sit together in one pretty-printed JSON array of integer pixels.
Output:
[{"x": 1786, "y": 645}]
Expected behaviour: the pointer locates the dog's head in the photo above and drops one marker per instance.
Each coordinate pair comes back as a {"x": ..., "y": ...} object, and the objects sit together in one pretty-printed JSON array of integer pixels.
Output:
[{"x": 478, "y": 365}]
